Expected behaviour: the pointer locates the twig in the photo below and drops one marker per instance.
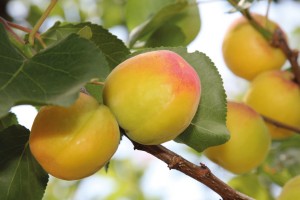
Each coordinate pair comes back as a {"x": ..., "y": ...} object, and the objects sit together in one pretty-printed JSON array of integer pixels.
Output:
[
  {"x": 279, "y": 40},
  {"x": 281, "y": 125},
  {"x": 27, "y": 30},
  {"x": 200, "y": 172},
  {"x": 7, "y": 27},
  {"x": 40, "y": 22}
]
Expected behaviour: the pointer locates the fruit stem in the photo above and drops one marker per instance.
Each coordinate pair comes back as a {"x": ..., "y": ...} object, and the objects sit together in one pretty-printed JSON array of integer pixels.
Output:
[
  {"x": 96, "y": 83},
  {"x": 265, "y": 33},
  {"x": 200, "y": 172},
  {"x": 40, "y": 22}
]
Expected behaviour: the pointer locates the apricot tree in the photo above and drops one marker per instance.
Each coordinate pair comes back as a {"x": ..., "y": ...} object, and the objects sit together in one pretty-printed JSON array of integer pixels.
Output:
[{"x": 91, "y": 89}]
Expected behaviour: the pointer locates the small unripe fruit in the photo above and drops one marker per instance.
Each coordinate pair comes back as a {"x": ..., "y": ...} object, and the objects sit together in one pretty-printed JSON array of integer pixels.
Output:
[
  {"x": 153, "y": 95},
  {"x": 249, "y": 141},
  {"x": 275, "y": 95},
  {"x": 290, "y": 190},
  {"x": 246, "y": 52},
  {"x": 74, "y": 142}
]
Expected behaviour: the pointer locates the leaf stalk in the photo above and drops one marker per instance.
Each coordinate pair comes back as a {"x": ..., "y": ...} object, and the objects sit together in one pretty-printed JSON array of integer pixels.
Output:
[{"x": 40, "y": 22}]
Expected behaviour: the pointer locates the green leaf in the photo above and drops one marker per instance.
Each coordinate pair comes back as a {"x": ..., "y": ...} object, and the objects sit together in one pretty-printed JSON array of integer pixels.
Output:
[
  {"x": 208, "y": 127},
  {"x": 161, "y": 37},
  {"x": 52, "y": 76},
  {"x": 8, "y": 120},
  {"x": 113, "y": 49},
  {"x": 21, "y": 177},
  {"x": 138, "y": 11},
  {"x": 283, "y": 161},
  {"x": 95, "y": 91},
  {"x": 163, "y": 19},
  {"x": 34, "y": 13}
]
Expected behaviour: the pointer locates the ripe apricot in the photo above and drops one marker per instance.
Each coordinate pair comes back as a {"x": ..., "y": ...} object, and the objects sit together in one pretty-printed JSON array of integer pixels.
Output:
[
  {"x": 249, "y": 141},
  {"x": 153, "y": 95},
  {"x": 246, "y": 52},
  {"x": 74, "y": 142}
]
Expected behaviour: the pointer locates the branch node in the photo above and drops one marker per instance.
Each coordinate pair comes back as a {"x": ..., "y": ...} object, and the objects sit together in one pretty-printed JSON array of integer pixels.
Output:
[
  {"x": 175, "y": 161},
  {"x": 203, "y": 166}
]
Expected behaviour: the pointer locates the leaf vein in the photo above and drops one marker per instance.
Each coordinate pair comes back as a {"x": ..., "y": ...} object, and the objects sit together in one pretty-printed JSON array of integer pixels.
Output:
[{"x": 13, "y": 76}]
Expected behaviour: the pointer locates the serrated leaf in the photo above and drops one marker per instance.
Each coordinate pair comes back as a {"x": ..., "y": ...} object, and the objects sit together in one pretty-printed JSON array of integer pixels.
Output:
[
  {"x": 113, "y": 48},
  {"x": 208, "y": 127},
  {"x": 52, "y": 76},
  {"x": 8, "y": 120},
  {"x": 181, "y": 15},
  {"x": 21, "y": 177}
]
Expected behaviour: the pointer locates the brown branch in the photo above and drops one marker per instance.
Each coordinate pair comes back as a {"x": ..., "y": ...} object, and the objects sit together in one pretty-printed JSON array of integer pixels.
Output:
[
  {"x": 281, "y": 125},
  {"x": 200, "y": 172},
  {"x": 279, "y": 41}
]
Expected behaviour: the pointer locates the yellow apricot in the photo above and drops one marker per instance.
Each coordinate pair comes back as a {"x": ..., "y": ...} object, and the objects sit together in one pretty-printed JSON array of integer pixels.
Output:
[
  {"x": 275, "y": 95},
  {"x": 249, "y": 141},
  {"x": 153, "y": 95},
  {"x": 74, "y": 142},
  {"x": 246, "y": 52}
]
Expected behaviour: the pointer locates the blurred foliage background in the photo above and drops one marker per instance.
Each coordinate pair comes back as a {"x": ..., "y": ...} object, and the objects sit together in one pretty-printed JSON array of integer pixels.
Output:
[{"x": 134, "y": 175}]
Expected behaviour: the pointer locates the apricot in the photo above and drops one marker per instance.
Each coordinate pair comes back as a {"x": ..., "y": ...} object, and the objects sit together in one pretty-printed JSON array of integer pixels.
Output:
[
  {"x": 246, "y": 52},
  {"x": 154, "y": 96},
  {"x": 274, "y": 94},
  {"x": 249, "y": 141},
  {"x": 290, "y": 190},
  {"x": 74, "y": 142}
]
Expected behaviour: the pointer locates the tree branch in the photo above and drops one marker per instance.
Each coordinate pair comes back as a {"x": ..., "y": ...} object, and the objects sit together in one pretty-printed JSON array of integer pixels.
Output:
[
  {"x": 200, "y": 172},
  {"x": 281, "y": 125},
  {"x": 279, "y": 41}
]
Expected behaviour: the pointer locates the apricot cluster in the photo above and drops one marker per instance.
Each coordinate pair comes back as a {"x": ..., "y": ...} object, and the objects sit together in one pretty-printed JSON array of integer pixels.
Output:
[
  {"x": 152, "y": 96},
  {"x": 272, "y": 91},
  {"x": 272, "y": 94}
]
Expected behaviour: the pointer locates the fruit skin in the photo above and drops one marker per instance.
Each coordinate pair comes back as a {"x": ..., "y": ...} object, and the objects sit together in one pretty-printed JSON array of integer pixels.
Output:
[
  {"x": 274, "y": 95},
  {"x": 153, "y": 95},
  {"x": 246, "y": 52},
  {"x": 290, "y": 190},
  {"x": 74, "y": 142},
  {"x": 249, "y": 141}
]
